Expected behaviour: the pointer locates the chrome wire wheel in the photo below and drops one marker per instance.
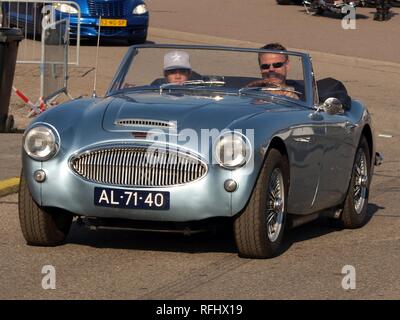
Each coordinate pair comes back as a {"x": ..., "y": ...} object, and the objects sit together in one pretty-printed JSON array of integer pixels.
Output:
[
  {"x": 275, "y": 205},
  {"x": 360, "y": 191}
]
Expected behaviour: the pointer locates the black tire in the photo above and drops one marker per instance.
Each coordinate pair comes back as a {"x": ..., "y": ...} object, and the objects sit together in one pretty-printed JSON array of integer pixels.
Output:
[
  {"x": 40, "y": 227},
  {"x": 135, "y": 40},
  {"x": 4, "y": 21},
  {"x": 354, "y": 213},
  {"x": 284, "y": 2},
  {"x": 9, "y": 123},
  {"x": 395, "y": 3},
  {"x": 318, "y": 12},
  {"x": 250, "y": 227}
]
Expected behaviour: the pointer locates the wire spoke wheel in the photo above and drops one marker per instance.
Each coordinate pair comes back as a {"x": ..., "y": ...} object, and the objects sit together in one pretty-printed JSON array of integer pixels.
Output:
[
  {"x": 354, "y": 214},
  {"x": 260, "y": 227},
  {"x": 361, "y": 181},
  {"x": 275, "y": 205}
]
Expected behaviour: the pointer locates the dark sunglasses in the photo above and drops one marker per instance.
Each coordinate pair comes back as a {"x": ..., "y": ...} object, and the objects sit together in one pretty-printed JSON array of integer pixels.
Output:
[{"x": 276, "y": 65}]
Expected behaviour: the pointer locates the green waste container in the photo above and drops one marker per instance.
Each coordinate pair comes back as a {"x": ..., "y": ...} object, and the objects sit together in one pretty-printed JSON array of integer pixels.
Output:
[{"x": 9, "y": 40}]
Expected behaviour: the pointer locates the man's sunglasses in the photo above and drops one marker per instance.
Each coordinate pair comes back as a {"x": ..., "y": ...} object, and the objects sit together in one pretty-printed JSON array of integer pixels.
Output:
[{"x": 276, "y": 65}]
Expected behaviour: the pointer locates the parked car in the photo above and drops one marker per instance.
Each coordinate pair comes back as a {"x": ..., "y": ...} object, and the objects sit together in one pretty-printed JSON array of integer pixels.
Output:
[
  {"x": 212, "y": 149},
  {"x": 120, "y": 19}
]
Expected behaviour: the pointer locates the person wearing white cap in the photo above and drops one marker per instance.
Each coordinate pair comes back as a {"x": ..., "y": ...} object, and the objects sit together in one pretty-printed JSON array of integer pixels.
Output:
[{"x": 177, "y": 67}]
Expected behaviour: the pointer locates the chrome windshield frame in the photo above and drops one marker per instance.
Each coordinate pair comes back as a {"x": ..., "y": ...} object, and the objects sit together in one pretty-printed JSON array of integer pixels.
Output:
[{"x": 128, "y": 59}]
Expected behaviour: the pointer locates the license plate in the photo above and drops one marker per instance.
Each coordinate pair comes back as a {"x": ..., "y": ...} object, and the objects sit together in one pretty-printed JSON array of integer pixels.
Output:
[
  {"x": 131, "y": 199},
  {"x": 113, "y": 22}
]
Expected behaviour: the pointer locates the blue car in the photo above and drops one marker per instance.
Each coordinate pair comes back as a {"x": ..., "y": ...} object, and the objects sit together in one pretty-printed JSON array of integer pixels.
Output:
[
  {"x": 189, "y": 137},
  {"x": 120, "y": 19}
]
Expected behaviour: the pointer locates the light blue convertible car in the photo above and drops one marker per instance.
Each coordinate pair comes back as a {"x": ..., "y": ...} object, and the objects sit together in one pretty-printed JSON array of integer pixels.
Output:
[{"x": 188, "y": 137}]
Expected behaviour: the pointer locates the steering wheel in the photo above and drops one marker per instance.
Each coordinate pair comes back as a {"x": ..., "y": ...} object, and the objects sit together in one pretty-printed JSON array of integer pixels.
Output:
[{"x": 281, "y": 89}]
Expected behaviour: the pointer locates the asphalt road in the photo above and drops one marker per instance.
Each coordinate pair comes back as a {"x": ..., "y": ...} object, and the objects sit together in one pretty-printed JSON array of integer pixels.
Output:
[
  {"x": 132, "y": 265},
  {"x": 264, "y": 21}
]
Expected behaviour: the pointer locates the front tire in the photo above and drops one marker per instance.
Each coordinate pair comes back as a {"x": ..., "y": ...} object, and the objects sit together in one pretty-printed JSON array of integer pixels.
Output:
[
  {"x": 39, "y": 226},
  {"x": 354, "y": 213},
  {"x": 395, "y": 3},
  {"x": 10, "y": 123},
  {"x": 259, "y": 229},
  {"x": 138, "y": 40}
]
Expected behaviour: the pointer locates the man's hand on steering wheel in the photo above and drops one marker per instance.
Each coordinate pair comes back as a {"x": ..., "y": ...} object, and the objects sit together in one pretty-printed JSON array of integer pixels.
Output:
[{"x": 277, "y": 88}]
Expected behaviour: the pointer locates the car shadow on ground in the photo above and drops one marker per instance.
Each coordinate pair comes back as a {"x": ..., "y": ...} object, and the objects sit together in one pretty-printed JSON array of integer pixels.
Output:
[
  {"x": 208, "y": 242},
  {"x": 319, "y": 228},
  {"x": 222, "y": 241}
]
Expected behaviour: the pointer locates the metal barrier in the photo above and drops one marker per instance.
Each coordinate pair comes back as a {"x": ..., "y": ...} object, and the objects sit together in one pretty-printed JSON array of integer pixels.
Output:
[
  {"x": 31, "y": 16},
  {"x": 47, "y": 30},
  {"x": 54, "y": 66}
]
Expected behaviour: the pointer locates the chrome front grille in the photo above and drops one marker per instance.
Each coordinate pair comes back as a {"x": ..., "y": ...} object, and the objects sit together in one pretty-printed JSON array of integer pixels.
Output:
[
  {"x": 107, "y": 8},
  {"x": 138, "y": 166}
]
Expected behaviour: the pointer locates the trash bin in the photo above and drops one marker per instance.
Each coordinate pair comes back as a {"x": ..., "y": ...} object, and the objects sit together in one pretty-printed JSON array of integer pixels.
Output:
[{"x": 9, "y": 40}]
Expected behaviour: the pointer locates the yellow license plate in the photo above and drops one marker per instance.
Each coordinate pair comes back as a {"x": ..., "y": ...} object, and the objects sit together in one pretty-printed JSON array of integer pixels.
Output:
[{"x": 113, "y": 23}]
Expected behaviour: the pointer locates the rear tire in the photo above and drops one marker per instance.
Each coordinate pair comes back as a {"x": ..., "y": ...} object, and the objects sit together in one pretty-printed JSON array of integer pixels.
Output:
[
  {"x": 259, "y": 229},
  {"x": 39, "y": 226},
  {"x": 354, "y": 213},
  {"x": 395, "y": 3},
  {"x": 284, "y": 2}
]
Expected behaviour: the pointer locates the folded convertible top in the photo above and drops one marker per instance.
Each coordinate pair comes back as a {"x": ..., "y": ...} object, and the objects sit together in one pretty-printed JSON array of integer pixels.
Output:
[{"x": 330, "y": 87}]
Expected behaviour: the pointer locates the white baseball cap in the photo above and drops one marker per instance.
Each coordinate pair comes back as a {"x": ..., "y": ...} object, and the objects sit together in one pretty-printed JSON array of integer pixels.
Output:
[{"x": 176, "y": 60}]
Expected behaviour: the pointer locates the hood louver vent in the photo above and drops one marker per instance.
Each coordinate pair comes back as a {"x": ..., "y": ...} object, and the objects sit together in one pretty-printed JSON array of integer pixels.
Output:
[{"x": 145, "y": 123}]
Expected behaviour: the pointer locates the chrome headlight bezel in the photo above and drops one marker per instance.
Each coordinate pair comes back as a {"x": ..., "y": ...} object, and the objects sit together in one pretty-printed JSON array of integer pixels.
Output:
[
  {"x": 238, "y": 142},
  {"x": 49, "y": 135},
  {"x": 140, "y": 9},
  {"x": 65, "y": 8}
]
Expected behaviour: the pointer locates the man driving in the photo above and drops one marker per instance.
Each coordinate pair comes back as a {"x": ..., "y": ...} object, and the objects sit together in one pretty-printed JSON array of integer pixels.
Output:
[
  {"x": 274, "y": 68},
  {"x": 177, "y": 67}
]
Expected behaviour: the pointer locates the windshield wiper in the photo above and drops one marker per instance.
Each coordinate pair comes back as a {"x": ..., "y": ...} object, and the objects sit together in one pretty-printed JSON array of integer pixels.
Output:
[{"x": 192, "y": 82}]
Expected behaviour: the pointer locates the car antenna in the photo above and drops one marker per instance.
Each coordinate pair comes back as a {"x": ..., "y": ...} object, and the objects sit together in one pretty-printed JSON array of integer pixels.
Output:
[{"x": 94, "y": 95}]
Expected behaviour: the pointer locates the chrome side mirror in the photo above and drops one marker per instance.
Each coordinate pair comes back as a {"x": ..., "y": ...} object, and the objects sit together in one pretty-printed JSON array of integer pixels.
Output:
[{"x": 332, "y": 106}]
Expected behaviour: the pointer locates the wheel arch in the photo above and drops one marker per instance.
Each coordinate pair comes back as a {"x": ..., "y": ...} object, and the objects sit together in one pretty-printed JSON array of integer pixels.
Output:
[
  {"x": 243, "y": 199},
  {"x": 367, "y": 133},
  {"x": 279, "y": 144}
]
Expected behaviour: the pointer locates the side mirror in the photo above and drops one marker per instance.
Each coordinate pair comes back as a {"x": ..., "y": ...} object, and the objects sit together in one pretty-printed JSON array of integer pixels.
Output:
[{"x": 332, "y": 106}]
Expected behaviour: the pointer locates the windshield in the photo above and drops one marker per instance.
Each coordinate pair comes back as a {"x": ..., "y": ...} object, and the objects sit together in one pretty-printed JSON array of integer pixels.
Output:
[{"x": 241, "y": 71}]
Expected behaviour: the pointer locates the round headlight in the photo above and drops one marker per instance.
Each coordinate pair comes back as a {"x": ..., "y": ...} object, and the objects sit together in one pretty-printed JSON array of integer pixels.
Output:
[
  {"x": 140, "y": 9},
  {"x": 65, "y": 8},
  {"x": 232, "y": 150},
  {"x": 41, "y": 143}
]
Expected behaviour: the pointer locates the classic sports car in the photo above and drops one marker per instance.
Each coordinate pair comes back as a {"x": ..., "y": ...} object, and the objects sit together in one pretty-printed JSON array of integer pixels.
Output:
[
  {"x": 218, "y": 146},
  {"x": 120, "y": 19}
]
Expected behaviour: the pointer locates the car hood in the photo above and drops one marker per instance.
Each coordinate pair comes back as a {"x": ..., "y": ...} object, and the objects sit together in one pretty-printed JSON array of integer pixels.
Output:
[{"x": 184, "y": 111}]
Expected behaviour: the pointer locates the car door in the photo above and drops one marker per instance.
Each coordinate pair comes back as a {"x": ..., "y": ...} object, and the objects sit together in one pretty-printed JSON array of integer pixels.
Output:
[
  {"x": 306, "y": 148},
  {"x": 338, "y": 156}
]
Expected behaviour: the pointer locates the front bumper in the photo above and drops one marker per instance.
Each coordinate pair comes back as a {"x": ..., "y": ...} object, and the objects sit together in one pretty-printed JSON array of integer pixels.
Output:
[{"x": 198, "y": 200}]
